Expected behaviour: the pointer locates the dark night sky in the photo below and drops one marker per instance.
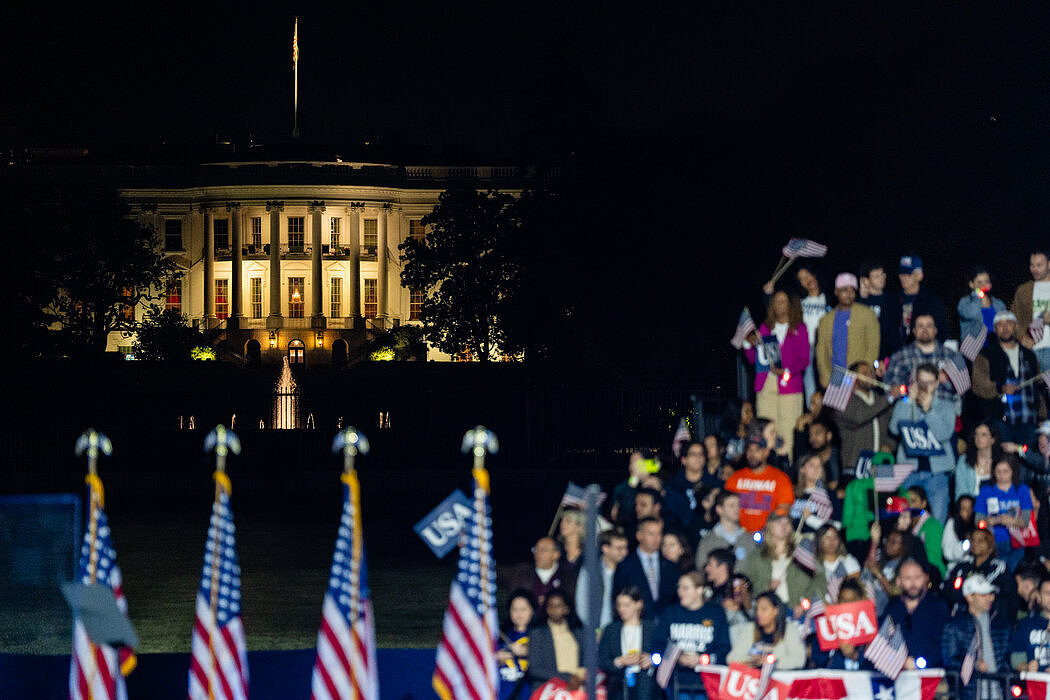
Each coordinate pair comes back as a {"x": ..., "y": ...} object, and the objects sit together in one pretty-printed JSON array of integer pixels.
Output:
[{"x": 694, "y": 137}]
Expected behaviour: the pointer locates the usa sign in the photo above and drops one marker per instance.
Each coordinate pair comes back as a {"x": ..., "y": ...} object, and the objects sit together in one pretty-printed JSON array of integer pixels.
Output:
[{"x": 852, "y": 623}]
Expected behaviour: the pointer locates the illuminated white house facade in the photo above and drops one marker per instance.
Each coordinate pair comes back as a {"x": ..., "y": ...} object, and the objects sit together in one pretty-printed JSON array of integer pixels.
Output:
[{"x": 296, "y": 259}]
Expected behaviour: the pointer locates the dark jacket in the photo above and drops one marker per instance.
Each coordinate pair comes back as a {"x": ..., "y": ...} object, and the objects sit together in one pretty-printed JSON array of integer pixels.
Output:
[
  {"x": 991, "y": 368},
  {"x": 609, "y": 648},
  {"x": 956, "y": 640},
  {"x": 993, "y": 569},
  {"x": 524, "y": 576},
  {"x": 926, "y": 303},
  {"x": 922, "y": 628},
  {"x": 856, "y": 427},
  {"x": 629, "y": 572},
  {"x": 543, "y": 665}
]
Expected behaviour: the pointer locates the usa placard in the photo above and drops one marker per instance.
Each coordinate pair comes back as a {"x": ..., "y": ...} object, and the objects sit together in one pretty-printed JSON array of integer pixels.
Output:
[
  {"x": 848, "y": 623},
  {"x": 439, "y": 528}
]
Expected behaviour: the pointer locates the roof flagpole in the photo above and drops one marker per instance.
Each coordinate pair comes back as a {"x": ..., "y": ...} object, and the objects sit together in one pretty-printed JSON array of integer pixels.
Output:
[{"x": 295, "y": 72}]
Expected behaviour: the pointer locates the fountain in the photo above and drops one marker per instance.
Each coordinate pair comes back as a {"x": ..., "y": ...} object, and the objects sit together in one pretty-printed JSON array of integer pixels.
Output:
[{"x": 285, "y": 401}]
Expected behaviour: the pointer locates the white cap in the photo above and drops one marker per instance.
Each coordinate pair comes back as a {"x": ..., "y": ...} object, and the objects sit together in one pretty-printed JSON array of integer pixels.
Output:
[{"x": 978, "y": 584}]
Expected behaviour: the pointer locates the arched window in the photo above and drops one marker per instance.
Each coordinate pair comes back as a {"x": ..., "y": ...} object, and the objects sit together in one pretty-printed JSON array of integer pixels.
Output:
[
  {"x": 339, "y": 353},
  {"x": 296, "y": 352},
  {"x": 252, "y": 353}
]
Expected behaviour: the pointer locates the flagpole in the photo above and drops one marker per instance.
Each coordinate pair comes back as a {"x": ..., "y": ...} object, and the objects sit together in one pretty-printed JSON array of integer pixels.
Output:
[
  {"x": 295, "y": 72},
  {"x": 480, "y": 441},
  {"x": 781, "y": 268},
  {"x": 352, "y": 442}
]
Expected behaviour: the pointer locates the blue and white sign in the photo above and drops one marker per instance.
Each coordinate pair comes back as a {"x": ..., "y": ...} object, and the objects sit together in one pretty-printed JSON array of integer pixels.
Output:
[
  {"x": 919, "y": 440},
  {"x": 440, "y": 528}
]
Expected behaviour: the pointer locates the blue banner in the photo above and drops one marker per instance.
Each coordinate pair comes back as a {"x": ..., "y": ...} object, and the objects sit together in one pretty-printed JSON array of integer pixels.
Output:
[
  {"x": 918, "y": 440},
  {"x": 439, "y": 528}
]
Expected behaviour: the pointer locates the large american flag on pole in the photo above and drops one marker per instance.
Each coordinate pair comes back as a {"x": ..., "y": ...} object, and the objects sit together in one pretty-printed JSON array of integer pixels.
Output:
[
  {"x": 219, "y": 661},
  {"x": 466, "y": 658},
  {"x": 346, "y": 668},
  {"x": 804, "y": 248},
  {"x": 97, "y": 671}
]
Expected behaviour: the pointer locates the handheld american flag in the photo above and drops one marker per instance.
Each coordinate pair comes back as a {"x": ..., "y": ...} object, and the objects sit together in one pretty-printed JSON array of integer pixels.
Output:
[
  {"x": 972, "y": 344},
  {"x": 840, "y": 389},
  {"x": 805, "y": 554},
  {"x": 1046, "y": 378},
  {"x": 576, "y": 496},
  {"x": 219, "y": 660},
  {"x": 466, "y": 658},
  {"x": 970, "y": 660},
  {"x": 668, "y": 664},
  {"x": 821, "y": 502},
  {"x": 346, "y": 668},
  {"x": 816, "y": 609},
  {"x": 889, "y": 477},
  {"x": 681, "y": 436},
  {"x": 804, "y": 248},
  {"x": 1036, "y": 328},
  {"x": 98, "y": 670},
  {"x": 835, "y": 582},
  {"x": 887, "y": 652},
  {"x": 958, "y": 376},
  {"x": 745, "y": 325}
]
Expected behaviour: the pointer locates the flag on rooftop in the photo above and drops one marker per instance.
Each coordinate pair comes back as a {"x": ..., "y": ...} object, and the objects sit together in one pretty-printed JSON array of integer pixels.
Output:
[
  {"x": 745, "y": 325},
  {"x": 889, "y": 477},
  {"x": 840, "y": 389},
  {"x": 681, "y": 436},
  {"x": 958, "y": 376},
  {"x": 295, "y": 42},
  {"x": 887, "y": 652},
  {"x": 466, "y": 657},
  {"x": 98, "y": 670},
  {"x": 346, "y": 668},
  {"x": 219, "y": 661},
  {"x": 804, "y": 248},
  {"x": 575, "y": 496},
  {"x": 972, "y": 344}
]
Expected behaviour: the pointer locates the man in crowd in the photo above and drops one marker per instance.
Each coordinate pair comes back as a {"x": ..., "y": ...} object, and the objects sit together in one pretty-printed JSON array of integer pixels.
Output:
[
  {"x": 613, "y": 546},
  {"x": 920, "y": 615},
  {"x": 925, "y": 424},
  {"x": 655, "y": 576},
  {"x": 761, "y": 487},
  {"x": 981, "y": 560},
  {"x": 873, "y": 295},
  {"x": 1031, "y": 302},
  {"x": 864, "y": 423},
  {"x": 925, "y": 349},
  {"x": 1030, "y": 650},
  {"x": 999, "y": 370},
  {"x": 718, "y": 573},
  {"x": 915, "y": 300},
  {"x": 1027, "y": 577},
  {"x": 680, "y": 490},
  {"x": 820, "y": 444},
  {"x": 727, "y": 532},
  {"x": 544, "y": 574},
  {"x": 848, "y": 333},
  {"x": 993, "y": 638}
]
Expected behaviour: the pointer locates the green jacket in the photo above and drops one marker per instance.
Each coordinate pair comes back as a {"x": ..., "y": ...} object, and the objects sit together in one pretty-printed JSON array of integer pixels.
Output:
[
  {"x": 759, "y": 570},
  {"x": 857, "y": 513},
  {"x": 931, "y": 532}
]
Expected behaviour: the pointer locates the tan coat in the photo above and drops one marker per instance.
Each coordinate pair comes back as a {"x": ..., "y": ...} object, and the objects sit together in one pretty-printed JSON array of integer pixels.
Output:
[{"x": 862, "y": 341}]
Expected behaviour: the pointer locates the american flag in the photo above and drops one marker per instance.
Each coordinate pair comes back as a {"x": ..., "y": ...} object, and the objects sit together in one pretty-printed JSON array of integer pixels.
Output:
[
  {"x": 972, "y": 344},
  {"x": 889, "y": 477},
  {"x": 887, "y": 652},
  {"x": 816, "y": 609},
  {"x": 840, "y": 389},
  {"x": 1046, "y": 378},
  {"x": 668, "y": 663},
  {"x": 575, "y": 496},
  {"x": 295, "y": 42},
  {"x": 970, "y": 660},
  {"x": 1036, "y": 328},
  {"x": 744, "y": 327},
  {"x": 219, "y": 662},
  {"x": 958, "y": 376},
  {"x": 346, "y": 668},
  {"x": 804, "y": 248},
  {"x": 466, "y": 657},
  {"x": 820, "y": 501},
  {"x": 804, "y": 554},
  {"x": 97, "y": 671},
  {"x": 681, "y": 436},
  {"x": 835, "y": 582}
]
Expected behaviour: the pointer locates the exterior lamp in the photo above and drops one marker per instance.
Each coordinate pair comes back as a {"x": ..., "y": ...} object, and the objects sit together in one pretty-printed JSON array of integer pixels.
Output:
[
  {"x": 273, "y": 339},
  {"x": 320, "y": 339}
]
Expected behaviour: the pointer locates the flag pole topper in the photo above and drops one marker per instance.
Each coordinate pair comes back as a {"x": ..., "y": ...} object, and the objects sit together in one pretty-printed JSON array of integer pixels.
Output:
[
  {"x": 91, "y": 442},
  {"x": 223, "y": 442},
  {"x": 480, "y": 441},
  {"x": 351, "y": 442}
]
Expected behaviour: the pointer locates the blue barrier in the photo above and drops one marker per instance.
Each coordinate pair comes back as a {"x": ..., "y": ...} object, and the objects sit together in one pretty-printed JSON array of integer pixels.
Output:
[{"x": 404, "y": 674}]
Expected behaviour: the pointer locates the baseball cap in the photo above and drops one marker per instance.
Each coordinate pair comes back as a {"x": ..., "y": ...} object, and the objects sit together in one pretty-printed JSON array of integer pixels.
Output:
[
  {"x": 1004, "y": 316},
  {"x": 978, "y": 584},
  {"x": 1044, "y": 428},
  {"x": 846, "y": 279},
  {"x": 910, "y": 263},
  {"x": 757, "y": 440}
]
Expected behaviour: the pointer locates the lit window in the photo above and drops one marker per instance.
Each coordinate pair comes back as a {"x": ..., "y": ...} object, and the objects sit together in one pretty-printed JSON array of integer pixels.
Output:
[
  {"x": 174, "y": 300},
  {"x": 222, "y": 299},
  {"x": 371, "y": 298},
  {"x": 296, "y": 233},
  {"x": 371, "y": 233},
  {"x": 416, "y": 229},
  {"x": 296, "y": 290},
  {"x": 222, "y": 234},
  {"x": 336, "y": 295},
  {"x": 256, "y": 297},
  {"x": 337, "y": 225},
  {"x": 415, "y": 305},
  {"x": 127, "y": 309},
  {"x": 173, "y": 234},
  {"x": 257, "y": 232},
  {"x": 296, "y": 352}
]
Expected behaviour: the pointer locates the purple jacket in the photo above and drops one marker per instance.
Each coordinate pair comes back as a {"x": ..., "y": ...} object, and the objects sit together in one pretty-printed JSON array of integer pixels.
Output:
[{"x": 794, "y": 354}]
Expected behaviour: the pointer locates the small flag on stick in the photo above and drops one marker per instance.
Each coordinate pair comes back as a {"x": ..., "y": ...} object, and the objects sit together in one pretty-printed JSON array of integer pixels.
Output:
[
  {"x": 887, "y": 652},
  {"x": 804, "y": 248},
  {"x": 668, "y": 663},
  {"x": 1036, "y": 328},
  {"x": 745, "y": 325},
  {"x": 972, "y": 344},
  {"x": 821, "y": 502},
  {"x": 958, "y": 376},
  {"x": 840, "y": 389},
  {"x": 575, "y": 496},
  {"x": 681, "y": 436},
  {"x": 970, "y": 660},
  {"x": 889, "y": 477},
  {"x": 804, "y": 554}
]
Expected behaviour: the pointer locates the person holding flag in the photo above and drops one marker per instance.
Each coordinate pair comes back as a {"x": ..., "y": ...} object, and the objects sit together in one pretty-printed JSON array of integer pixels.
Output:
[
  {"x": 1030, "y": 647},
  {"x": 697, "y": 628},
  {"x": 1005, "y": 376},
  {"x": 847, "y": 334},
  {"x": 977, "y": 309},
  {"x": 975, "y": 639}
]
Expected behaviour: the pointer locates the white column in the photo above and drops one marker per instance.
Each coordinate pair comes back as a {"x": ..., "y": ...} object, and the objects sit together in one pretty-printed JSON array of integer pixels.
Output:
[
  {"x": 381, "y": 263},
  {"x": 317, "y": 319},
  {"x": 236, "y": 265},
  {"x": 274, "y": 319},
  {"x": 353, "y": 286},
  {"x": 209, "y": 268}
]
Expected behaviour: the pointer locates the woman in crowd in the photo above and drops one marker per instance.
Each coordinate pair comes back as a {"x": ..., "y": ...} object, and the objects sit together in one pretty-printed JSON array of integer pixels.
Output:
[
  {"x": 736, "y": 424},
  {"x": 814, "y": 306},
  {"x": 846, "y": 657},
  {"x": 974, "y": 468},
  {"x": 831, "y": 552},
  {"x": 556, "y": 645},
  {"x": 811, "y": 473},
  {"x": 772, "y": 567},
  {"x": 622, "y": 651},
  {"x": 1004, "y": 504},
  {"x": 676, "y": 548},
  {"x": 898, "y": 546},
  {"x": 925, "y": 527},
  {"x": 512, "y": 655},
  {"x": 814, "y": 412},
  {"x": 768, "y": 430},
  {"x": 780, "y": 352},
  {"x": 771, "y": 633},
  {"x": 979, "y": 307},
  {"x": 716, "y": 460},
  {"x": 705, "y": 517},
  {"x": 954, "y": 544},
  {"x": 698, "y": 627},
  {"x": 570, "y": 536}
]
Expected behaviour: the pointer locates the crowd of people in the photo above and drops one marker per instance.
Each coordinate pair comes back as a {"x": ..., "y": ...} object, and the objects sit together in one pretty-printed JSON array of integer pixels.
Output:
[{"x": 722, "y": 549}]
